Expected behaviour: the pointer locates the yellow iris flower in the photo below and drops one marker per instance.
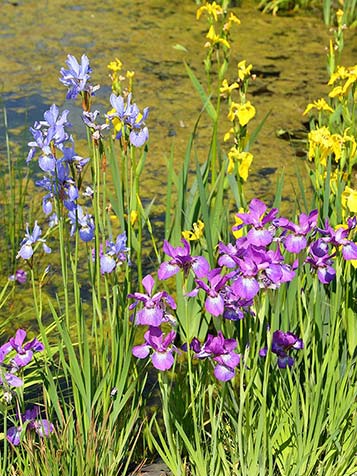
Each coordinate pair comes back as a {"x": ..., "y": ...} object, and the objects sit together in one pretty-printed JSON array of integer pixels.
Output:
[
  {"x": 212, "y": 10},
  {"x": 244, "y": 160},
  {"x": 319, "y": 104},
  {"x": 349, "y": 199},
  {"x": 231, "y": 19},
  {"x": 214, "y": 39},
  {"x": 227, "y": 89},
  {"x": 238, "y": 221},
  {"x": 243, "y": 70},
  {"x": 243, "y": 112},
  {"x": 115, "y": 65},
  {"x": 197, "y": 232}
]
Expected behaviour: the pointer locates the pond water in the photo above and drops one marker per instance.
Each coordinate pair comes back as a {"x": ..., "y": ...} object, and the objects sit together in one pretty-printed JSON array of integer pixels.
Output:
[{"x": 288, "y": 55}]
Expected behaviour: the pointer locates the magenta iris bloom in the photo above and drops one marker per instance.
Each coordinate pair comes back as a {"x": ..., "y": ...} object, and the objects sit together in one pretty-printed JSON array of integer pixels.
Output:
[
  {"x": 182, "y": 260},
  {"x": 257, "y": 218},
  {"x": 296, "y": 241},
  {"x": 161, "y": 346},
  {"x": 30, "y": 421},
  {"x": 24, "y": 352},
  {"x": 154, "y": 311},
  {"x": 282, "y": 343},
  {"x": 20, "y": 276},
  {"x": 221, "y": 351},
  {"x": 321, "y": 260}
]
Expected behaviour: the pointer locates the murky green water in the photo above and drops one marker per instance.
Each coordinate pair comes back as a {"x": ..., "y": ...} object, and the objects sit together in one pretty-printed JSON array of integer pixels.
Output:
[{"x": 288, "y": 55}]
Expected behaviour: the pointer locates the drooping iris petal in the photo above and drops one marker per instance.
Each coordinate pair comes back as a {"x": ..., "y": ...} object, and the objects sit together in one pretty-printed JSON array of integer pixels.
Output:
[
  {"x": 246, "y": 287},
  {"x": 260, "y": 237},
  {"x": 141, "y": 351},
  {"x": 150, "y": 316},
  {"x": 222, "y": 373},
  {"x": 162, "y": 360},
  {"x": 138, "y": 137},
  {"x": 107, "y": 264},
  {"x": 295, "y": 243},
  {"x": 21, "y": 360},
  {"x": 215, "y": 305},
  {"x": 167, "y": 269},
  {"x": 349, "y": 251},
  {"x": 200, "y": 266}
]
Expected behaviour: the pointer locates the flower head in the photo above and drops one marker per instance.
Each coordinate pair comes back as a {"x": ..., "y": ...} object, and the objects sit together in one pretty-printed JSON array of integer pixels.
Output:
[
  {"x": 161, "y": 347},
  {"x": 76, "y": 77}
]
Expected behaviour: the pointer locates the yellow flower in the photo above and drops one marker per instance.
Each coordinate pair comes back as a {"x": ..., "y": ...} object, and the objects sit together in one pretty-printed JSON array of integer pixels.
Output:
[
  {"x": 243, "y": 112},
  {"x": 197, "y": 232},
  {"x": 243, "y": 70},
  {"x": 117, "y": 124},
  {"x": 133, "y": 217},
  {"x": 227, "y": 89},
  {"x": 320, "y": 105},
  {"x": 231, "y": 19},
  {"x": 349, "y": 199},
  {"x": 337, "y": 91},
  {"x": 237, "y": 233},
  {"x": 130, "y": 74},
  {"x": 228, "y": 134},
  {"x": 244, "y": 160},
  {"x": 115, "y": 65},
  {"x": 340, "y": 73},
  {"x": 212, "y": 10},
  {"x": 214, "y": 39}
]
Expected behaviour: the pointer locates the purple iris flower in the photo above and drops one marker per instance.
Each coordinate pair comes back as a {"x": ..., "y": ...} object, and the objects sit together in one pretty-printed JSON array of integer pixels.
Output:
[
  {"x": 256, "y": 217},
  {"x": 47, "y": 160},
  {"x": 222, "y": 351},
  {"x": 214, "y": 302},
  {"x": 85, "y": 223},
  {"x": 24, "y": 352},
  {"x": 26, "y": 250},
  {"x": 70, "y": 157},
  {"x": 282, "y": 342},
  {"x": 154, "y": 311},
  {"x": 56, "y": 124},
  {"x": 31, "y": 421},
  {"x": 89, "y": 119},
  {"x": 20, "y": 276},
  {"x": 297, "y": 241},
  {"x": 320, "y": 259},
  {"x": 76, "y": 76},
  {"x": 61, "y": 185},
  {"x": 339, "y": 238},
  {"x": 115, "y": 255},
  {"x": 162, "y": 347},
  {"x": 235, "y": 306},
  {"x": 182, "y": 259},
  {"x": 131, "y": 118}
]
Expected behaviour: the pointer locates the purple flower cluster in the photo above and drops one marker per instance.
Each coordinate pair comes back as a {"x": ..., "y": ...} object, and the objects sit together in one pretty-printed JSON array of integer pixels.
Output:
[
  {"x": 114, "y": 255},
  {"x": 28, "y": 421},
  {"x": 15, "y": 355},
  {"x": 154, "y": 312},
  {"x": 265, "y": 257},
  {"x": 282, "y": 342},
  {"x": 221, "y": 351},
  {"x": 63, "y": 168}
]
